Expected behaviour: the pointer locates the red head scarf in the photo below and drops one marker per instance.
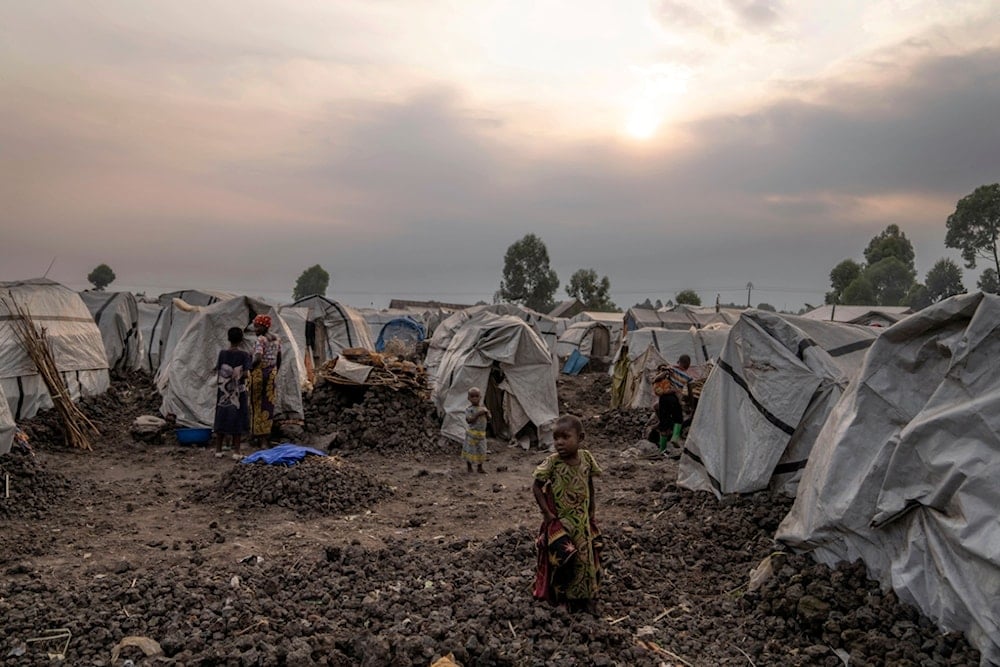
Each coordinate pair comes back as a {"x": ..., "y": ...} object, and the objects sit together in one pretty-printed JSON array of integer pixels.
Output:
[{"x": 262, "y": 321}]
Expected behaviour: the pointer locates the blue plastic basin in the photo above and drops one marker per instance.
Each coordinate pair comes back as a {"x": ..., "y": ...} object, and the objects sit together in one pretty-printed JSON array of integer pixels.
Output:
[{"x": 193, "y": 436}]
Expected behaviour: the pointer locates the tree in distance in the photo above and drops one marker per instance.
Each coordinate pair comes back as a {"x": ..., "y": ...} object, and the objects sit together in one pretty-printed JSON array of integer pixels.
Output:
[
  {"x": 527, "y": 277},
  {"x": 313, "y": 280},
  {"x": 886, "y": 278},
  {"x": 593, "y": 293},
  {"x": 918, "y": 297},
  {"x": 890, "y": 243},
  {"x": 944, "y": 280},
  {"x": 974, "y": 226},
  {"x": 688, "y": 297},
  {"x": 101, "y": 277},
  {"x": 841, "y": 276},
  {"x": 989, "y": 281}
]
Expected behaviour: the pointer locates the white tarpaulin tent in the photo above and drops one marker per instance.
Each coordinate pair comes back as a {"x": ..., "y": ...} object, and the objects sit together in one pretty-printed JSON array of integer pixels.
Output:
[
  {"x": 528, "y": 387},
  {"x": 74, "y": 339},
  {"x": 592, "y": 339},
  {"x": 186, "y": 380},
  {"x": 7, "y": 425},
  {"x": 905, "y": 474},
  {"x": 645, "y": 350},
  {"x": 160, "y": 323},
  {"x": 775, "y": 382},
  {"x": 333, "y": 327},
  {"x": 117, "y": 316}
]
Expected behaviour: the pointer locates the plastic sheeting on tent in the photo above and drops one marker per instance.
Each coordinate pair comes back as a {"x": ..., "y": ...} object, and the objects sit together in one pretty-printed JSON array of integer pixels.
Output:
[
  {"x": 117, "y": 316},
  {"x": 761, "y": 409},
  {"x": 528, "y": 385},
  {"x": 645, "y": 350},
  {"x": 7, "y": 425},
  {"x": 905, "y": 474},
  {"x": 333, "y": 327},
  {"x": 404, "y": 329},
  {"x": 186, "y": 380},
  {"x": 162, "y": 322},
  {"x": 444, "y": 331},
  {"x": 591, "y": 339},
  {"x": 73, "y": 337}
]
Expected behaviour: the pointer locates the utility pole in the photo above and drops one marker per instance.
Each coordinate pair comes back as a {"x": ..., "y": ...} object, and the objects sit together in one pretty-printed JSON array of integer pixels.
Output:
[{"x": 749, "y": 287}]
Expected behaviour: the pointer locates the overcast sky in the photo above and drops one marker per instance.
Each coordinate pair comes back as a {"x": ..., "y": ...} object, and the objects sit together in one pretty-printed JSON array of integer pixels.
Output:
[{"x": 404, "y": 145}]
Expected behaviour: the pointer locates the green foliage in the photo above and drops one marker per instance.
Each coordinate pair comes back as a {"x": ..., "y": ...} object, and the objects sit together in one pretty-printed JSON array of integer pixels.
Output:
[
  {"x": 918, "y": 297},
  {"x": 595, "y": 294},
  {"x": 527, "y": 277},
  {"x": 101, "y": 277},
  {"x": 944, "y": 280},
  {"x": 766, "y": 306},
  {"x": 974, "y": 226},
  {"x": 313, "y": 280},
  {"x": 688, "y": 297},
  {"x": 989, "y": 281},
  {"x": 844, "y": 274},
  {"x": 890, "y": 243},
  {"x": 859, "y": 293},
  {"x": 891, "y": 279}
]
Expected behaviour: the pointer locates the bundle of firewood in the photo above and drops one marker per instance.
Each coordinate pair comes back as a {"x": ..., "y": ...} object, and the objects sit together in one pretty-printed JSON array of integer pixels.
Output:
[
  {"x": 77, "y": 427},
  {"x": 386, "y": 371}
]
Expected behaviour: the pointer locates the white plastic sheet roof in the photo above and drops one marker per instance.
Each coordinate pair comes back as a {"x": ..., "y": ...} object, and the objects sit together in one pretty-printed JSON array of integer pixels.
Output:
[
  {"x": 343, "y": 327},
  {"x": 905, "y": 474},
  {"x": 530, "y": 387},
  {"x": 117, "y": 316},
  {"x": 775, "y": 382}
]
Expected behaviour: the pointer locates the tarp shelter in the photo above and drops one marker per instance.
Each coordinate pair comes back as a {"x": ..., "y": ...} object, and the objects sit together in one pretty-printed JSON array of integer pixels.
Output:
[
  {"x": 7, "y": 425},
  {"x": 73, "y": 337},
  {"x": 546, "y": 327},
  {"x": 161, "y": 322},
  {"x": 873, "y": 316},
  {"x": 905, "y": 474},
  {"x": 776, "y": 380},
  {"x": 591, "y": 339},
  {"x": 526, "y": 392},
  {"x": 332, "y": 327},
  {"x": 645, "y": 350},
  {"x": 186, "y": 380},
  {"x": 117, "y": 316},
  {"x": 406, "y": 330}
]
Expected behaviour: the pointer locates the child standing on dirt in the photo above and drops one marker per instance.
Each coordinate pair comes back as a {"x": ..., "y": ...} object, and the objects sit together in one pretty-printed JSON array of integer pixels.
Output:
[
  {"x": 232, "y": 410},
  {"x": 568, "y": 543},
  {"x": 476, "y": 418}
]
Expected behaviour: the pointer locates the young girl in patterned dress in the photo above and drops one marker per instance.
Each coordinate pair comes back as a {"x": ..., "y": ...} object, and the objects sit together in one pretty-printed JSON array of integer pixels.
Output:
[{"x": 569, "y": 567}]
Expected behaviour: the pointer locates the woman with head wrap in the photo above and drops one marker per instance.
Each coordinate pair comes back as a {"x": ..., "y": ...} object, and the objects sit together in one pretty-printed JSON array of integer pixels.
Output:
[{"x": 263, "y": 374}]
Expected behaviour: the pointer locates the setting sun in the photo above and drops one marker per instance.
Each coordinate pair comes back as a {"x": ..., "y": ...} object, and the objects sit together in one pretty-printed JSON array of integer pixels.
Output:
[{"x": 643, "y": 122}]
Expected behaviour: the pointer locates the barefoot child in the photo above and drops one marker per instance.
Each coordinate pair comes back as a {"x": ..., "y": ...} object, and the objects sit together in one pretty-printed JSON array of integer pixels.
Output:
[
  {"x": 232, "y": 412},
  {"x": 568, "y": 551},
  {"x": 476, "y": 418}
]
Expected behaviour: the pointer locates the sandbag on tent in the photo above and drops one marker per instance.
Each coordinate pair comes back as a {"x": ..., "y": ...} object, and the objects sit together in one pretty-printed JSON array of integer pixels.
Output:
[
  {"x": 333, "y": 327},
  {"x": 644, "y": 350},
  {"x": 590, "y": 339},
  {"x": 446, "y": 330},
  {"x": 73, "y": 337},
  {"x": 775, "y": 382},
  {"x": 406, "y": 330},
  {"x": 527, "y": 387},
  {"x": 905, "y": 474},
  {"x": 186, "y": 380},
  {"x": 117, "y": 316},
  {"x": 7, "y": 426}
]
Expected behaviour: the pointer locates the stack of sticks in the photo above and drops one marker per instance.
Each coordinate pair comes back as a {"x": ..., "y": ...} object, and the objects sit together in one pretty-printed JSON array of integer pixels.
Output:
[
  {"x": 387, "y": 371},
  {"x": 77, "y": 428}
]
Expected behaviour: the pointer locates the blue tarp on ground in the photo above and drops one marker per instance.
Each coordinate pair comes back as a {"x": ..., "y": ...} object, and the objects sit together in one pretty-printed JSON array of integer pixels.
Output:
[
  {"x": 285, "y": 454},
  {"x": 575, "y": 363}
]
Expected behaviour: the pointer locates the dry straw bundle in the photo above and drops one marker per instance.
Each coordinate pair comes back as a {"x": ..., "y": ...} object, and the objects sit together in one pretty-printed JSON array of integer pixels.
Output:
[{"x": 76, "y": 426}]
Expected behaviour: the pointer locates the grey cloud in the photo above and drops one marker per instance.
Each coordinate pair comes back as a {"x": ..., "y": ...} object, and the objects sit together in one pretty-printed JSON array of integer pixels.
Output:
[{"x": 757, "y": 14}]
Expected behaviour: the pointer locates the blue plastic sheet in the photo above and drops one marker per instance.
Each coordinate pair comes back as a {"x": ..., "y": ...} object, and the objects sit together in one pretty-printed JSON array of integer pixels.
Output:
[
  {"x": 575, "y": 363},
  {"x": 285, "y": 454}
]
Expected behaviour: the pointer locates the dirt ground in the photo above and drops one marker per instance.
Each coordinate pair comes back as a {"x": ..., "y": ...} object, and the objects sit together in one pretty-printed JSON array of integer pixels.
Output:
[{"x": 400, "y": 557}]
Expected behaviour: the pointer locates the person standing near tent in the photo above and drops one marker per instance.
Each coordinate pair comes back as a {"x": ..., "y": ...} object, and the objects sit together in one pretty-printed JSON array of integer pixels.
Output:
[
  {"x": 232, "y": 409},
  {"x": 476, "y": 418},
  {"x": 263, "y": 376},
  {"x": 669, "y": 384}
]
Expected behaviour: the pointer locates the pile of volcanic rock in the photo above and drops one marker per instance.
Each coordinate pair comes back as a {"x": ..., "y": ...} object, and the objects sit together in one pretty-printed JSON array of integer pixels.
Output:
[
  {"x": 619, "y": 426},
  {"x": 380, "y": 419},
  {"x": 33, "y": 489},
  {"x": 317, "y": 486}
]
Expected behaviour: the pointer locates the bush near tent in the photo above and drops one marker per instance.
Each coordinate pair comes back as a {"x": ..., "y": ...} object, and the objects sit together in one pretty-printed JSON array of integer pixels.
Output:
[
  {"x": 117, "y": 316},
  {"x": 776, "y": 380},
  {"x": 527, "y": 393},
  {"x": 186, "y": 380},
  {"x": 73, "y": 337},
  {"x": 905, "y": 472}
]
